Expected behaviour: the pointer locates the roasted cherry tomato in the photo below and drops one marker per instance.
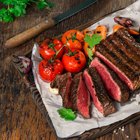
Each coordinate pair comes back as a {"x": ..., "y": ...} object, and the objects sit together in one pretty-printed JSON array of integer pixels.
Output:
[
  {"x": 51, "y": 47},
  {"x": 74, "y": 61},
  {"x": 48, "y": 70},
  {"x": 73, "y": 39}
]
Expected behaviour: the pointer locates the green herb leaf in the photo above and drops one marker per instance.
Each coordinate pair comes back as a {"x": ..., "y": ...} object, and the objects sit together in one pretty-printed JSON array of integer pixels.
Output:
[
  {"x": 92, "y": 40},
  {"x": 90, "y": 53},
  {"x": 16, "y": 8},
  {"x": 67, "y": 114},
  {"x": 5, "y": 15},
  {"x": 41, "y": 4}
]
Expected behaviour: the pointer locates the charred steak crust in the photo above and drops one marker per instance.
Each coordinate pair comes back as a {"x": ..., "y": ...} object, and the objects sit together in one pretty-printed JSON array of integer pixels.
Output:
[
  {"x": 101, "y": 92},
  {"x": 63, "y": 83},
  {"x": 117, "y": 49},
  {"x": 111, "y": 56},
  {"x": 129, "y": 40},
  {"x": 129, "y": 51}
]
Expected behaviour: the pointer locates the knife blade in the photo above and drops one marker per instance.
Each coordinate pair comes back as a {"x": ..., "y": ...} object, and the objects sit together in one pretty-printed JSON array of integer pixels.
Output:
[{"x": 32, "y": 32}]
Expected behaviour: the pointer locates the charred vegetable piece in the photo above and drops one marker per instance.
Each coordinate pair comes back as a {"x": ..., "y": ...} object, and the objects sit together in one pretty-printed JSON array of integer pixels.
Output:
[
  {"x": 126, "y": 22},
  {"x": 26, "y": 64},
  {"x": 102, "y": 31}
]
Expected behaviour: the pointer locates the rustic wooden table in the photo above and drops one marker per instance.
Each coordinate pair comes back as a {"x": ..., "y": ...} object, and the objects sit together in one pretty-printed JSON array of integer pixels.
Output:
[{"x": 20, "y": 119}]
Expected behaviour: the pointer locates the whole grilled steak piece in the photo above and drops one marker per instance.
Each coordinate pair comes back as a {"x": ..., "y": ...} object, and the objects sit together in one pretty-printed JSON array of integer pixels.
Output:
[
  {"x": 63, "y": 83},
  {"x": 80, "y": 96},
  {"x": 115, "y": 87},
  {"x": 119, "y": 60},
  {"x": 98, "y": 92}
]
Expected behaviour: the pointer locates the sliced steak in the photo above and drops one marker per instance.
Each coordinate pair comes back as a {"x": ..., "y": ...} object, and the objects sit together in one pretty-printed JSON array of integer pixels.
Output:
[
  {"x": 80, "y": 96},
  {"x": 98, "y": 92},
  {"x": 115, "y": 87},
  {"x": 63, "y": 83},
  {"x": 117, "y": 59},
  {"x": 131, "y": 79}
]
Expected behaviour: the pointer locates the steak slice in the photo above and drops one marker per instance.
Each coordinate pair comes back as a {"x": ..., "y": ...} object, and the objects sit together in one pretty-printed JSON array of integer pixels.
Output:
[
  {"x": 80, "y": 96},
  {"x": 98, "y": 92},
  {"x": 131, "y": 79},
  {"x": 63, "y": 83},
  {"x": 115, "y": 87}
]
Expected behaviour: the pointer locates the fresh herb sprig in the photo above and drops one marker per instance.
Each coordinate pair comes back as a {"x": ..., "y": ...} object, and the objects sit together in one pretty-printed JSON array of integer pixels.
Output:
[
  {"x": 92, "y": 41},
  {"x": 67, "y": 114},
  {"x": 17, "y": 8}
]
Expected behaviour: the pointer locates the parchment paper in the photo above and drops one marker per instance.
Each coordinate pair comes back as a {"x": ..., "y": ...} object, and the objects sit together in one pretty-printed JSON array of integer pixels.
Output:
[{"x": 53, "y": 102}]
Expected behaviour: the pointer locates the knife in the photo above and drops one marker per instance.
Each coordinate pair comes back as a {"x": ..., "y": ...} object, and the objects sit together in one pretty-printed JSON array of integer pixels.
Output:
[{"x": 32, "y": 32}]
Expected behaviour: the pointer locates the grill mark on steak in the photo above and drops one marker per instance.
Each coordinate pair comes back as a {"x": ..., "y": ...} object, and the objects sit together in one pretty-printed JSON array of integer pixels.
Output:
[
  {"x": 130, "y": 46},
  {"x": 129, "y": 40},
  {"x": 117, "y": 62},
  {"x": 128, "y": 51},
  {"x": 115, "y": 47},
  {"x": 101, "y": 93},
  {"x": 131, "y": 83}
]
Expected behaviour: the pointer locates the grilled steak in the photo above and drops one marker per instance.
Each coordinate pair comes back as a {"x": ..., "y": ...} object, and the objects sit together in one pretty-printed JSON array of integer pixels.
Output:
[
  {"x": 63, "y": 83},
  {"x": 98, "y": 92},
  {"x": 115, "y": 87},
  {"x": 111, "y": 52},
  {"x": 115, "y": 47},
  {"x": 129, "y": 40},
  {"x": 129, "y": 51},
  {"x": 80, "y": 96}
]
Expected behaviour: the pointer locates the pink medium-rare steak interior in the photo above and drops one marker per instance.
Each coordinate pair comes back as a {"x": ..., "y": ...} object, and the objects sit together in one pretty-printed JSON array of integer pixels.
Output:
[
  {"x": 83, "y": 99},
  {"x": 98, "y": 92},
  {"x": 92, "y": 90},
  {"x": 112, "y": 87},
  {"x": 122, "y": 76},
  {"x": 80, "y": 96}
]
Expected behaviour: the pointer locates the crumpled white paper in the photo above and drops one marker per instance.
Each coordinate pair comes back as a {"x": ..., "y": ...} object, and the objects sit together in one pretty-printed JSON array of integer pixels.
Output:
[{"x": 54, "y": 102}]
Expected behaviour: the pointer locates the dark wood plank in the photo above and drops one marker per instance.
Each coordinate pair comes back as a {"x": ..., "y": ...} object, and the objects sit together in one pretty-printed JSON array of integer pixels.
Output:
[{"x": 19, "y": 116}]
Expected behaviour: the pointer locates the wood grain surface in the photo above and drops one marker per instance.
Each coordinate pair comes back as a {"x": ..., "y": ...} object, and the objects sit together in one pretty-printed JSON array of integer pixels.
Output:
[{"x": 20, "y": 119}]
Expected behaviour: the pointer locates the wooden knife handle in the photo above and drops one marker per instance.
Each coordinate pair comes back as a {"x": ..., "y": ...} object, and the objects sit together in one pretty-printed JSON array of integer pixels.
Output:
[{"x": 28, "y": 34}]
